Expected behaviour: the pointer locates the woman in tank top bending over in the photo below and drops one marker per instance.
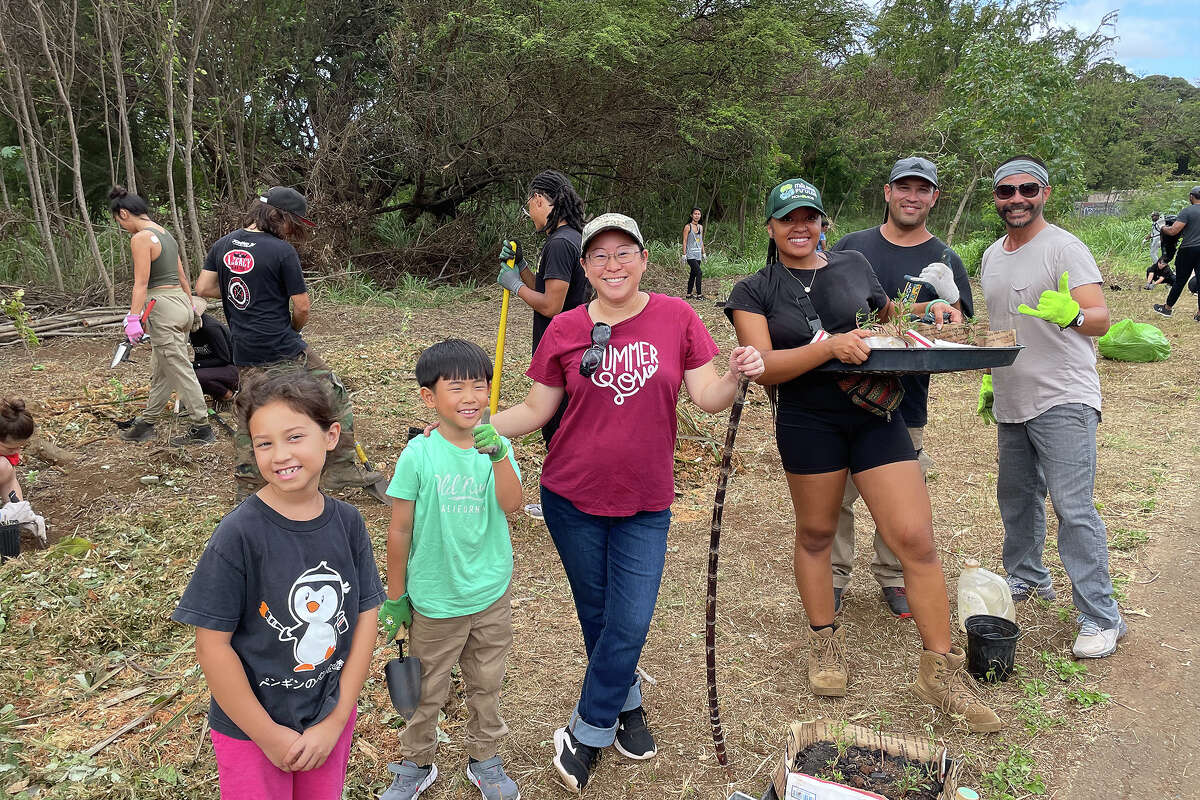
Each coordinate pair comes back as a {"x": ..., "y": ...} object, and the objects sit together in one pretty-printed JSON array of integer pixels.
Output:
[{"x": 159, "y": 276}]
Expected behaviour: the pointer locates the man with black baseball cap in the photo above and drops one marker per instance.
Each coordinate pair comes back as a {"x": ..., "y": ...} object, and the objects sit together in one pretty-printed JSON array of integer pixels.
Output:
[
  {"x": 255, "y": 271},
  {"x": 1187, "y": 258},
  {"x": 902, "y": 246}
]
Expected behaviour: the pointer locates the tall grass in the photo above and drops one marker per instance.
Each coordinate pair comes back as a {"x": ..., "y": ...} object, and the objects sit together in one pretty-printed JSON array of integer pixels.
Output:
[
  {"x": 410, "y": 291},
  {"x": 24, "y": 260}
]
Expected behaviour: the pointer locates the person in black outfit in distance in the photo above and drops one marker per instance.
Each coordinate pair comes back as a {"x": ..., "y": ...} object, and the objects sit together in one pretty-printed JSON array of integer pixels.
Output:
[
  {"x": 213, "y": 361},
  {"x": 559, "y": 283}
]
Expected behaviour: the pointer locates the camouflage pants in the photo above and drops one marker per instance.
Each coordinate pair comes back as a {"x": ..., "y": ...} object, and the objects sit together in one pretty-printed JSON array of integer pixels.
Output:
[{"x": 341, "y": 465}]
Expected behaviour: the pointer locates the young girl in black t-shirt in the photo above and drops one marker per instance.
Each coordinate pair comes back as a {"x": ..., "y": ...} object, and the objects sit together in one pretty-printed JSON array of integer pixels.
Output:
[
  {"x": 822, "y": 435},
  {"x": 285, "y": 600}
]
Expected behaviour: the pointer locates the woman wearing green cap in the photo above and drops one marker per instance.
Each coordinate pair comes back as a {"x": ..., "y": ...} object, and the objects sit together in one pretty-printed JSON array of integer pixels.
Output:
[{"x": 801, "y": 311}]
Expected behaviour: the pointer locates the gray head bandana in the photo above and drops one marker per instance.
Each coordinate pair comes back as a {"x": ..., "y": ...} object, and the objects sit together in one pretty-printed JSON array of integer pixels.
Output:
[{"x": 1022, "y": 165}]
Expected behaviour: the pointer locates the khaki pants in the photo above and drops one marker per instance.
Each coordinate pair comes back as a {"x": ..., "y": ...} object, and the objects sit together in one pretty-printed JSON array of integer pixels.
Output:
[
  {"x": 169, "y": 324},
  {"x": 342, "y": 462},
  {"x": 884, "y": 566},
  {"x": 479, "y": 643}
]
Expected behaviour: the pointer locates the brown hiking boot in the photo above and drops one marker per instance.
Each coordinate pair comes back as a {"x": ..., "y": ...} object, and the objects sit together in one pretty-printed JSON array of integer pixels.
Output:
[
  {"x": 349, "y": 476},
  {"x": 945, "y": 683},
  {"x": 827, "y": 662}
]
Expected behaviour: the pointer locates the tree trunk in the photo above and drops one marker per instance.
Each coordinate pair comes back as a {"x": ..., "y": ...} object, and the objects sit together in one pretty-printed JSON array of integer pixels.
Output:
[
  {"x": 112, "y": 167},
  {"x": 76, "y": 169},
  {"x": 32, "y": 161},
  {"x": 114, "y": 46},
  {"x": 169, "y": 96},
  {"x": 4, "y": 190},
  {"x": 239, "y": 143},
  {"x": 189, "y": 133},
  {"x": 963, "y": 205},
  {"x": 742, "y": 224}
]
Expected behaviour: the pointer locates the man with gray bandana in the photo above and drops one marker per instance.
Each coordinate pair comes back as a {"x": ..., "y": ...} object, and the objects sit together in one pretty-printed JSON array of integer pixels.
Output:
[{"x": 1044, "y": 282}]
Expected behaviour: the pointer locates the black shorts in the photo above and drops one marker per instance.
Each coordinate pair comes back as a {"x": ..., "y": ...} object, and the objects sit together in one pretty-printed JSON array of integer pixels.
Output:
[{"x": 813, "y": 441}]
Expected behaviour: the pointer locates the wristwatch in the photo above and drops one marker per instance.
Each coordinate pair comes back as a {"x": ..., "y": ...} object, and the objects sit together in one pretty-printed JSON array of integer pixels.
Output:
[{"x": 1078, "y": 321}]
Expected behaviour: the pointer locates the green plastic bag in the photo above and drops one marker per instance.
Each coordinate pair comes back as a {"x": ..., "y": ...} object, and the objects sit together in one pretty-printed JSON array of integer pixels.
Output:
[{"x": 1134, "y": 341}]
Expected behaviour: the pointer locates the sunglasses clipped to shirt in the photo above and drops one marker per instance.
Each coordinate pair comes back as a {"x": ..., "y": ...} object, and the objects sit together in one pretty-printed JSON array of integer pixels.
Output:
[
  {"x": 601, "y": 333},
  {"x": 1028, "y": 190}
]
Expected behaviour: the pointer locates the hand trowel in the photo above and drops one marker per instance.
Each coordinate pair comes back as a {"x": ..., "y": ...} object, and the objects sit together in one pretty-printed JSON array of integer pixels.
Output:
[{"x": 403, "y": 675}]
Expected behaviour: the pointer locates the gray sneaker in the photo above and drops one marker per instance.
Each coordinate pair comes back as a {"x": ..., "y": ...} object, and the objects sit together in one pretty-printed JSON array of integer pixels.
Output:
[
  {"x": 492, "y": 781},
  {"x": 409, "y": 782},
  {"x": 1022, "y": 591}
]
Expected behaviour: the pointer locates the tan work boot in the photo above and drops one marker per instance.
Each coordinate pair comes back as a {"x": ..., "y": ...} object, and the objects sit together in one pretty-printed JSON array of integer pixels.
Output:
[
  {"x": 945, "y": 683},
  {"x": 827, "y": 662},
  {"x": 349, "y": 476}
]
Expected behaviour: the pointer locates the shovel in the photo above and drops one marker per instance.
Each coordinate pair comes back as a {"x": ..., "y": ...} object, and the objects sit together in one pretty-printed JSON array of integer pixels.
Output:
[{"x": 403, "y": 675}]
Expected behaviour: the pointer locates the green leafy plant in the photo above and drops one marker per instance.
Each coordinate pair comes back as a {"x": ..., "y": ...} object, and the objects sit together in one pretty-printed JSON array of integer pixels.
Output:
[
  {"x": 1034, "y": 716},
  {"x": 1066, "y": 669},
  {"x": 1126, "y": 539},
  {"x": 840, "y": 740},
  {"x": 911, "y": 779},
  {"x": 1014, "y": 777},
  {"x": 13, "y": 306},
  {"x": 1087, "y": 698}
]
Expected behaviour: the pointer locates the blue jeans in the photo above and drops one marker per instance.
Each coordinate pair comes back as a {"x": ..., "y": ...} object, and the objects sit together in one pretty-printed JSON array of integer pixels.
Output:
[
  {"x": 1056, "y": 451},
  {"x": 614, "y": 566}
]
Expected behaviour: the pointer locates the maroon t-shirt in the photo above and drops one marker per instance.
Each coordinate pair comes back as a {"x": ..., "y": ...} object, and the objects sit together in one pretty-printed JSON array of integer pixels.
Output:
[{"x": 614, "y": 454}]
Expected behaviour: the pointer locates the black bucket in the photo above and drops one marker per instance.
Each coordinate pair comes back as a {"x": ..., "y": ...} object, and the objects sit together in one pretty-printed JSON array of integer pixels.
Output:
[
  {"x": 991, "y": 647},
  {"x": 10, "y": 541}
]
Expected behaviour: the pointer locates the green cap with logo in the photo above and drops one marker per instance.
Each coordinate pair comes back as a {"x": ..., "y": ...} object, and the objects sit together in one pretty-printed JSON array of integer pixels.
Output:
[{"x": 790, "y": 195}]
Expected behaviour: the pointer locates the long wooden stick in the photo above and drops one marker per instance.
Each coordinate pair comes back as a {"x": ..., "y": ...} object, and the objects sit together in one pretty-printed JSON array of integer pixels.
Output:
[{"x": 714, "y": 543}]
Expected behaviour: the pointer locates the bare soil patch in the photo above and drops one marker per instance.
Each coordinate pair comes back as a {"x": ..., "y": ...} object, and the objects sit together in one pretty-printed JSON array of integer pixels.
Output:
[{"x": 88, "y": 646}]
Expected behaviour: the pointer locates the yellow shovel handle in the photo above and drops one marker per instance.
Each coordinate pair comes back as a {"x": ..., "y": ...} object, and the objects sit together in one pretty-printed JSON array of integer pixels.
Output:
[{"x": 498, "y": 365}]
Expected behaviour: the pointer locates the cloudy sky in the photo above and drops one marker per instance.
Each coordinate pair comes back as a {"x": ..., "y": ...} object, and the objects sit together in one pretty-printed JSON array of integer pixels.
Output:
[{"x": 1156, "y": 37}]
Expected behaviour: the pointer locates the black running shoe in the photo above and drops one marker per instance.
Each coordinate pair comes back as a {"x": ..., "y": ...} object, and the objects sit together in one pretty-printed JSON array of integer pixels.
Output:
[
  {"x": 634, "y": 739},
  {"x": 897, "y": 600},
  {"x": 1161, "y": 309},
  {"x": 574, "y": 760}
]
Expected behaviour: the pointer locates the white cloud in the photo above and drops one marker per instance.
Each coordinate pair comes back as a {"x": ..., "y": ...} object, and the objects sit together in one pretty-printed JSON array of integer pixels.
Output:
[{"x": 1152, "y": 35}]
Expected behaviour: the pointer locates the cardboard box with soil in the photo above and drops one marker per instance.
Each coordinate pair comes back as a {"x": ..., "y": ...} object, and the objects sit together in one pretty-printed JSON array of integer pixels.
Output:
[{"x": 810, "y": 747}]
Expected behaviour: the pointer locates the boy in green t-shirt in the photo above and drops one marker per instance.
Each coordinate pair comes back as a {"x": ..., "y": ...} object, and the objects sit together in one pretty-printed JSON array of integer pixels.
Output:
[{"x": 449, "y": 565}]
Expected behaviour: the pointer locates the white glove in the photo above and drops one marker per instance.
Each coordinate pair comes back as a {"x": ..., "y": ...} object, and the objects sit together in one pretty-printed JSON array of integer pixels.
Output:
[
  {"x": 941, "y": 278},
  {"x": 21, "y": 512}
]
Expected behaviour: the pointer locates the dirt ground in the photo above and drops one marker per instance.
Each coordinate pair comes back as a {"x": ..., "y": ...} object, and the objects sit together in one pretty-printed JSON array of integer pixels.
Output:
[{"x": 88, "y": 647}]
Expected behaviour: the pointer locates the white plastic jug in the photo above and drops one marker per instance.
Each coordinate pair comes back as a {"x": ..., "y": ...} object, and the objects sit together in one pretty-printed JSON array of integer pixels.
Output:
[{"x": 982, "y": 592}]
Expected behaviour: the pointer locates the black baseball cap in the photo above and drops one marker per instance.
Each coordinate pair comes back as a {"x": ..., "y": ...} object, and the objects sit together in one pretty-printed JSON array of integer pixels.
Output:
[
  {"x": 288, "y": 199},
  {"x": 1195, "y": 192},
  {"x": 914, "y": 167}
]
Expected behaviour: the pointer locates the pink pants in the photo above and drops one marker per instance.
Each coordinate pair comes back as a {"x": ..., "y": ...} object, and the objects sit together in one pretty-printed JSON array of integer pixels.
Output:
[{"x": 246, "y": 773}]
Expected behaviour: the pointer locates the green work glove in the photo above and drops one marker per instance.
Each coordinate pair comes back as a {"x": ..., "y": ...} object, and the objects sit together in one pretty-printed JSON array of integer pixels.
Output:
[
  {"x": 510, "y": 279},
  {"x": 488, "y": 442},
  {"x": 511, "y": 251},
  {"x": 986, "y": 398},
  {"x": 394, "y": 615},
  {"x": 1057, "y": 307}
]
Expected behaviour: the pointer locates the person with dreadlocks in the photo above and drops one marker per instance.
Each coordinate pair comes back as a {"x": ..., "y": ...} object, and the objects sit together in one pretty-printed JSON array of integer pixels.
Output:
[{"x": 559, "y": 283}]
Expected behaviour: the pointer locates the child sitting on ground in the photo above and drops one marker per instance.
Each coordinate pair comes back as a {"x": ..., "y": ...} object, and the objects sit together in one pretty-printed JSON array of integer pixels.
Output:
[
  {"x": 16, "y": 426},
  {"x": 284, "y": 600},
  {"x": 1159, "y": 272},
  {"x": 449, "y": 565}
]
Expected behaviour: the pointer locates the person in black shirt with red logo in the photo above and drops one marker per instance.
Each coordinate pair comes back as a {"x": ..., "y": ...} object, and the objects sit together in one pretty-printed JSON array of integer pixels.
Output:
[{"x": 255, "y": 271}]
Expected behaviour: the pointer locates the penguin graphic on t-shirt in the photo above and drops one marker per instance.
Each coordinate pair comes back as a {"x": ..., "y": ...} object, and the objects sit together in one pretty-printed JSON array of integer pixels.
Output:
[{"x": 315, "y": 602}]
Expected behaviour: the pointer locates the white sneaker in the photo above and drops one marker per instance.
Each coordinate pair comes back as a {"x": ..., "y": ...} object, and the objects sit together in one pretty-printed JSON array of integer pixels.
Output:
[
  {"x": 534, "y": 510},
  {"x": 1094, "y": 642}
]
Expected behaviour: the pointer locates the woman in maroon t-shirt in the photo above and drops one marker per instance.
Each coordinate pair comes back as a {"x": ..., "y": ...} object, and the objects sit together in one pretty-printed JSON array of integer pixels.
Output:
[{"x": 608, "y": 482}]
